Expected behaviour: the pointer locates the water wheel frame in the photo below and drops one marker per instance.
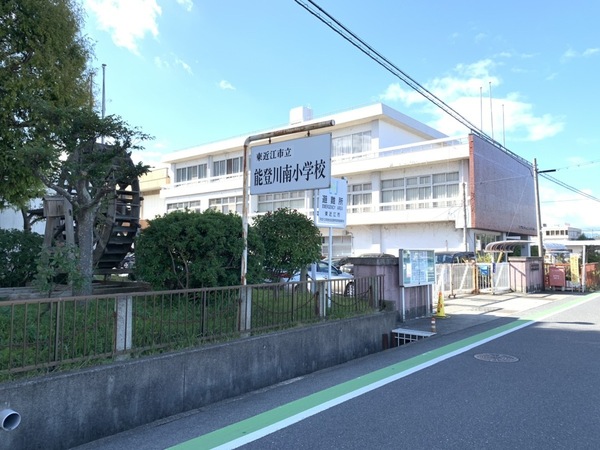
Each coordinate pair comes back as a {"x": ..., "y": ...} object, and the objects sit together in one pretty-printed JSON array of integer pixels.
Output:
[
  {"x": 116, "y": 227},
  {"x": 117, "y": 224}
]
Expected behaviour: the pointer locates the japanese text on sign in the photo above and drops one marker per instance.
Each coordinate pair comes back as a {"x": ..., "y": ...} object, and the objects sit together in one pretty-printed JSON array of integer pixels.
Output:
[
  {"x": 332, "y": 204},
  {"x": 286, "y": 173},
  {"x": 291, "y": 165}
]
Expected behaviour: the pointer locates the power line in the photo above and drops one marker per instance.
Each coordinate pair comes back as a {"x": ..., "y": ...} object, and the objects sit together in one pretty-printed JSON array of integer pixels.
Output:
[
  {"x": 570, "y": 188},
  {"x": 589, "y": 163},
  {"x": 353, "y": 39}
]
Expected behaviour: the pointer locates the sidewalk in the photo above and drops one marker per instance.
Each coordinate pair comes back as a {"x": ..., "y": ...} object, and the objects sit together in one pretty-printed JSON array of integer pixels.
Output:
[{"x": 470, "y": 310}]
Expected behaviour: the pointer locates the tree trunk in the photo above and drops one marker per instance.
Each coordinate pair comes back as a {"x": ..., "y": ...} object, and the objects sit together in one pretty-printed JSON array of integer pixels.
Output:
[
  {"x": 85, "y": 236},
  {"x": 26, "y": 222}
]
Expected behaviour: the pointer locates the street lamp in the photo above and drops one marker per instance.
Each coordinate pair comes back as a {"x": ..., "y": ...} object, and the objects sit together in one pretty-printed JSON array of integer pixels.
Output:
[{"x": 538, "y": 215}]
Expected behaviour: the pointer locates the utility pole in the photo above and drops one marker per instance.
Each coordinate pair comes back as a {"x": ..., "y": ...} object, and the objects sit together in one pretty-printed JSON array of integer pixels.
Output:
[
  {"x": 538, "y": 215},
  {"x": 103, "y": 111}
]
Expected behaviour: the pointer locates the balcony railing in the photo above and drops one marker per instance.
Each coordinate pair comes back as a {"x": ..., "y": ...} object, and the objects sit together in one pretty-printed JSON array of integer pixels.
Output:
[{"x": 373, "y": 154}]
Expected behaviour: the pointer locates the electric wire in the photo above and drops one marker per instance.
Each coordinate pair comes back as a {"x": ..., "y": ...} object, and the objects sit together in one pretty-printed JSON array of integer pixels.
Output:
[
  {"x": 570, "y": 188},
  {"x": 353, "y": 39},
  {"x": 365, "y": 48}
]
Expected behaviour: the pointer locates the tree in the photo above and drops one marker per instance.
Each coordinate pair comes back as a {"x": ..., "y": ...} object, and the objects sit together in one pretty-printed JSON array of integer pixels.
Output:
[
  {"x": 18, "y": 255},
  {"x": 75, "y": 166},
  {"x": 43, "y": 59},
  {"x": 593, "y": 251},
  {"x": 291, "y": 240},
  {"x": 184, "y": 250}
]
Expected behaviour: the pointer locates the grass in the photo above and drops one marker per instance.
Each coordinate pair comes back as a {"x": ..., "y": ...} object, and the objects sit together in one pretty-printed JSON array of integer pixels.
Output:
[{"x": 42, "y": 336}]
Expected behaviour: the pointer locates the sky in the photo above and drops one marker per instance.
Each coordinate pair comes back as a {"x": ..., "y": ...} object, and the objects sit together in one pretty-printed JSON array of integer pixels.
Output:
[{"x": 190, "y": 72}]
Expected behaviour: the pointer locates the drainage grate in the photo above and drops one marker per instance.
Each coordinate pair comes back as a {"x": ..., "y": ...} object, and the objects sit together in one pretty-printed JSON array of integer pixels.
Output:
[
  {"x": 404, "y": 335},
  {"x": 496, "y": 357}
]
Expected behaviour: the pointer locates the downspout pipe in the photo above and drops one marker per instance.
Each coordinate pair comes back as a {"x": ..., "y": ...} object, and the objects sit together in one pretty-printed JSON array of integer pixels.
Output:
[{"x": 9, "y": 419}]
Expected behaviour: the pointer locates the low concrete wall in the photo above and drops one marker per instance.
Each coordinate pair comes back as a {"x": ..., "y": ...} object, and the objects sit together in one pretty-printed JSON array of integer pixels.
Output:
[
  {"x": 525, "y": 274},
  {"x": 68, "y": 409}
]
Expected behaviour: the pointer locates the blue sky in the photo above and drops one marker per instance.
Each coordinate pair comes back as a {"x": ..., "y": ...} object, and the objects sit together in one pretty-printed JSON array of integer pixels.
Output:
[{"x": 190, "y": 72}]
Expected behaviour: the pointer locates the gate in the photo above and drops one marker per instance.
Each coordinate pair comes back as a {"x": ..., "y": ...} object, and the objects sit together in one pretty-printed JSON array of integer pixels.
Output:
[{"x": 469, "y": 278}]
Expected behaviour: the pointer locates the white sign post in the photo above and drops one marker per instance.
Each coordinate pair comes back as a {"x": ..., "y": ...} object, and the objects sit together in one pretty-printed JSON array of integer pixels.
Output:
[
  {"x": 291, "y": 165},
  {"x": 332, "y": 204},
  {"x": 332, "y": 214}
]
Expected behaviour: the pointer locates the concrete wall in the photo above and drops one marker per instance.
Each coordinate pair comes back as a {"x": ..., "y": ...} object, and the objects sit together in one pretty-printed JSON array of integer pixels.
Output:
[
  {"x": 409, "y": 302},
  {"x": 525, "y": 274},
  {"x": 68, "y": 409}
]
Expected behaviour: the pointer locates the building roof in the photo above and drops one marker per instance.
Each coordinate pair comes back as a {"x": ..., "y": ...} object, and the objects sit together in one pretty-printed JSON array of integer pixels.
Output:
[{"x": 342, "y": 119}]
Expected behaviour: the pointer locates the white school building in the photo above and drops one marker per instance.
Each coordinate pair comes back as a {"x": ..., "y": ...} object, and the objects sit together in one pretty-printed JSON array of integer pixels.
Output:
[{"x": 409, "y": 186}]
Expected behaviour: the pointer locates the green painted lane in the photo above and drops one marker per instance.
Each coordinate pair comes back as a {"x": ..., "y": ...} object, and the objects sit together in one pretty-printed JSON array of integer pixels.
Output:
[{"x": 258, "y": 426}]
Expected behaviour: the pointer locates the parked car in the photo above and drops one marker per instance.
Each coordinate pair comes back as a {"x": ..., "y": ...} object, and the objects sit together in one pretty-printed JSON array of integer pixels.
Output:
[
  {"x": 345, "y": 284},
  {"x": 454, "y": 257},
  {"x": 345, "y": 265}
]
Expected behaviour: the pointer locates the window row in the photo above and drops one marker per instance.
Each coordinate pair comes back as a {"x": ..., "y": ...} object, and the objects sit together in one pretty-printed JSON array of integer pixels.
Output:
[
  {"x": 200, "y": 171},
  {"x": 273, "y": 202},
  {"x": 427, "y": 191},
  {"x": 223, "y": 204},
  {"x": 351, "y": 144},
  {"x": 193, "y": 205}
]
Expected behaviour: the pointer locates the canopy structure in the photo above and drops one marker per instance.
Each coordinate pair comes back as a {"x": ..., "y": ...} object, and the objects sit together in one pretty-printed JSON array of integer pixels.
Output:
[{"x": 505, "y": 246}]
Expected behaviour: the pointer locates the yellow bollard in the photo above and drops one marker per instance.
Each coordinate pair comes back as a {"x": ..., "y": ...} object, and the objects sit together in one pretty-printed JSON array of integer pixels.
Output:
[{"x": 440, "y": 307}]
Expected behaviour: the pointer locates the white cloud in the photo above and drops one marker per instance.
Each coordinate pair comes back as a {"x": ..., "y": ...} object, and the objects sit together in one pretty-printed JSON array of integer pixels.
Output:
[
  {"x": 161, "y": 63},
  {"x": 164, "y": 64},
  {"x": 187, "y": 4},
  {"x": 480, "y": 37},
  {"x": 559, "y": 208},
  {"x": 184, "y": 65},
  {"x": 467, "y": 91},
  {"x": 128, "y": 21},
  {"x": 226, "y": 85},
  {"x": 571, "y": 54},
  {"x": 590, "y": 51}
]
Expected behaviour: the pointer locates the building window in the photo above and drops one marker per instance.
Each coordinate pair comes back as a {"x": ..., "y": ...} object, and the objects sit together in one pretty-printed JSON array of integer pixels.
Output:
[
  {"x": 445, "y": 189},
  {"x": 359, "y": 197},
  {"x": 418, "y": 189},
  {"x": 426, "y": 191},
  {"x": 190, "y": 173},
  {"x": 180, "y": 206},
  {"x": 392, "y": 195},
  {"x": 351, "y": 144},
  {"x": 341, "y": 246},
  {"x": 227, "y": 204},
  {"x": 227, "y": 166},
  {"x": 273, "y": 202}
]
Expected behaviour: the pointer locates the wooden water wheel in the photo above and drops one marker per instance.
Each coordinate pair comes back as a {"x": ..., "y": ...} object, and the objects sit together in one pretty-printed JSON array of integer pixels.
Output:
[{"x": 116, "y": 226}]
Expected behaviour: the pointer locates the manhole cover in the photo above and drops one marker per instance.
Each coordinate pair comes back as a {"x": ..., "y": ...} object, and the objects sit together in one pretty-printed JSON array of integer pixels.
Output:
[{"x": 496, "y": 357}]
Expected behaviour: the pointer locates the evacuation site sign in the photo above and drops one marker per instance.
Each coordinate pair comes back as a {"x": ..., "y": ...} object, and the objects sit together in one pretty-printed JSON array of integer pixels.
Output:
[
  {"x": 332, "y": 204},
  {"x": 291, "y": 165}
]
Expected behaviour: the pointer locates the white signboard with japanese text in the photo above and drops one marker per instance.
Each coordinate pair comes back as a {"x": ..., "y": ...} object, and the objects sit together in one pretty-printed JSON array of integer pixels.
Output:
[
  {"x": 332, "y": 204},
  {"x": 291, "y": 165},
  {"x": 417, "y": 267}
]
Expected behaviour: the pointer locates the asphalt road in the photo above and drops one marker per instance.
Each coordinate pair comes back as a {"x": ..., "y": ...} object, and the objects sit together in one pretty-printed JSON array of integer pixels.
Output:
[{"x": 527, "y": 380}]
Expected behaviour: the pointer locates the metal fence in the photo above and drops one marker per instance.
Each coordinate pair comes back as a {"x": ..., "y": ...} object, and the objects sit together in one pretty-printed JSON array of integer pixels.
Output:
[
  {"x": 39, "y": 335},
  {"x": 469, "y": 278}
]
